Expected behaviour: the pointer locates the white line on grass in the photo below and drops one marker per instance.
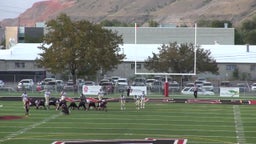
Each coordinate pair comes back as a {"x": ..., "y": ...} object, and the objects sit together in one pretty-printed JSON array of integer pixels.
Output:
[
  {"x": 238, "y": 125},
  {"x": 14, "y": 134}
]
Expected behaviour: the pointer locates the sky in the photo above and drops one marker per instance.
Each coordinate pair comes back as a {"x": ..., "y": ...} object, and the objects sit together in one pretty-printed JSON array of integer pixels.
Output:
[{"x": 13, "y": 8}]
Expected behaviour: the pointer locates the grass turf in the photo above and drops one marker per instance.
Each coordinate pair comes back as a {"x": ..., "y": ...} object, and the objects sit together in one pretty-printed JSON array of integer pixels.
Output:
[{"x": 199, "y": 123}]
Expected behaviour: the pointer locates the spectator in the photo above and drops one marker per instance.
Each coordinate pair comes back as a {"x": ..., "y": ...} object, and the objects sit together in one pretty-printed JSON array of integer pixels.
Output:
[
  {"x": 128, "y": 91},
  {"x": 195, "y": 90}
]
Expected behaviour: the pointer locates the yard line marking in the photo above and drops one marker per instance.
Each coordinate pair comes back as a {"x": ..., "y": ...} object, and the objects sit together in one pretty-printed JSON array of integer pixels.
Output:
[
  {"x": 238, "y": 125},
  {"x": 14, "y": 134}
]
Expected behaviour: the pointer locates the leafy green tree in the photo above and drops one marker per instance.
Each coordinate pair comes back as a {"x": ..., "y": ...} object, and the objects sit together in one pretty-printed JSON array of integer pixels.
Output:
[
  {"x": 213, "y": 23},
  {"x": 153, "y": 23},
  {"x": 247, "y": 32},
  {"x": 238, "y": 37},
  {"x": 174, "y": 58},
  {"x": 79, "y": 47}
]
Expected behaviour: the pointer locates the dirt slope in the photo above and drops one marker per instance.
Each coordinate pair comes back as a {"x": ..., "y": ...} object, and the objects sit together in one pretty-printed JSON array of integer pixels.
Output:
[{"x": 140, "y": 11}]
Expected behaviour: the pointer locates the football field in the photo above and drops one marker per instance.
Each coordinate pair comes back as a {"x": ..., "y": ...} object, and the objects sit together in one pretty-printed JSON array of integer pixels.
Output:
[{"x": 198, "y": 123}]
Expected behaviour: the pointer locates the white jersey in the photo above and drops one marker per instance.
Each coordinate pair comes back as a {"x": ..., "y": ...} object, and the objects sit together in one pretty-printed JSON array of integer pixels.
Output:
[
  {"x": 122, "y": 98},
  {"x": 47, "y": 94},
  {"x": 100, "y": 95},
  {"x": 24, "y": 97},
  {"x": 63, "y": 96}
]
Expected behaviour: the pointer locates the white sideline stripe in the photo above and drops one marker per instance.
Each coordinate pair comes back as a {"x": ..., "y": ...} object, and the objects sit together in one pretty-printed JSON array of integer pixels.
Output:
[
  {"x": 238, "y": 125},
  {"x": 14, "y": 134}
]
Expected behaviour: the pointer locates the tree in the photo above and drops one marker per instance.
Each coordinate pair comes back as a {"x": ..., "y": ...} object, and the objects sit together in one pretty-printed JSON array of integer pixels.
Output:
[
  {"x": 79, "y": 47},
  {"x": 174, "y": 58},
  {"x": 247, "y": 31},
  {"x": 153, "y": 23},
  {"x": 213, "y": 23}
]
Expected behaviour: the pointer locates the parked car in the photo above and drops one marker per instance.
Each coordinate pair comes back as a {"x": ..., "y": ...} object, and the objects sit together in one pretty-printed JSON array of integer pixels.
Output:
[
  {"x": 89, "y": 83},
  {"x": 115, "y": 78},
  {"x": 225, "y": 84},
  {"x": 149, "y": 83},
  {"x": 60, "y": 83},
  {"x": 202, "y": 79},
  {"x": 51, "y": 85},
  {"x": 107, "y": 87},
  {"x": 138, "y": 84},
  {"x": 80, "y": 82},
  {"x": 157, "y": 86},
  {"x": 49, "y": 79},
  {"x": 208, "y": 86},
  {"x": 243, "y": 87},
  {"x": 199, "y": 83},
  {"x": 200, "y": 91},
  {"x": 139, "y": 80},
  {"x": 69, "y": 86},
  {"x": 122, "y": 84},
  {"x": 174, "y": 87},
  {"x": 122, "y": 81},
  {"x": 104, "y": 80},
  {"x": 1, "y": 83},
  {"x": 25, "y": 84},
  {"x": 190, "y": 84},
  {"x": 253, "y": 87}
]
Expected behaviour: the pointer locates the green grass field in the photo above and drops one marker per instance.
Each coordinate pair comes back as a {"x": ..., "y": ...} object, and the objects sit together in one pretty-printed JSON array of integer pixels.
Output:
[{"x": 199, "y": 123}]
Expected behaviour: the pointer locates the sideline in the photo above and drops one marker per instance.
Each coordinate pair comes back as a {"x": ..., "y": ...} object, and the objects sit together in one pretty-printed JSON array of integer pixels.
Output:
[
  {"x": 238, "y": 125},
  {"x": 14, "y": 134}
]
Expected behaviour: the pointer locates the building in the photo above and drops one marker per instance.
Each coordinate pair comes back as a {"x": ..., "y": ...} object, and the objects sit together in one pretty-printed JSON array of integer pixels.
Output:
[
  {"x": 19, "y": 57},
  {"x": 19, "y": 61}
]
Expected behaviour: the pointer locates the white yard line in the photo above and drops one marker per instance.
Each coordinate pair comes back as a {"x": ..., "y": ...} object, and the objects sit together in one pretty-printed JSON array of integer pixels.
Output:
[
  {"x": 14, "y": 134},
  {"x": 238, "y": 125}
]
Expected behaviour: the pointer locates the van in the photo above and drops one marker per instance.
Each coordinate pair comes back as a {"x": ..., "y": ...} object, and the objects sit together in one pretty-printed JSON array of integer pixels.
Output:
[
  {"x": 25, "y": 84},
  {"x": 208, "y": 86},
  {"x": 122, "y": 84},
  {"x": 46, "y": 80}
]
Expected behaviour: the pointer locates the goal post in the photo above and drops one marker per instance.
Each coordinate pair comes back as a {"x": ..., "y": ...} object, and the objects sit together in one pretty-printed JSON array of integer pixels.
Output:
[{"x": 173, "y": 74}]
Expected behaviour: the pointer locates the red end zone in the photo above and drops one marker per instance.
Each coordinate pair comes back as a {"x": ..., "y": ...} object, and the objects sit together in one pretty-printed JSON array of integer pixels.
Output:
[
  {"x": 138, "y": 141},
  {"x": 9, "y": 117}
]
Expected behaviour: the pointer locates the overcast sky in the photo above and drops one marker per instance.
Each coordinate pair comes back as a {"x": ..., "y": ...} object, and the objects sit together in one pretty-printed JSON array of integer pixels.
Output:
[{"x": 13, "y": 8}]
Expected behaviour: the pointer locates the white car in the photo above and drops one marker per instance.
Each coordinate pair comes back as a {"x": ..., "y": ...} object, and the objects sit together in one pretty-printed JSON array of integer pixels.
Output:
[
  {"x": 149, "y": 83},
  {"x": 207, "y": 86},
  {"x": 253, "y": 87},
  {"x": 122, "y": 84},
  {"x": 25, "y": 84},
  {"x": 1, "y": 83},
  {"x": 200, "y": 91}
]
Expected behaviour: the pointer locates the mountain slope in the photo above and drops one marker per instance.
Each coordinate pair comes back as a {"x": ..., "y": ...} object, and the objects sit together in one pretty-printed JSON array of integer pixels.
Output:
[{"x": 163, "y": 11}]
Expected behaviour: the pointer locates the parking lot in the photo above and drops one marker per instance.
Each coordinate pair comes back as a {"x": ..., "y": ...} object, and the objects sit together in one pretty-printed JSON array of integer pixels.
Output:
[{"x": 154, "y": 87}]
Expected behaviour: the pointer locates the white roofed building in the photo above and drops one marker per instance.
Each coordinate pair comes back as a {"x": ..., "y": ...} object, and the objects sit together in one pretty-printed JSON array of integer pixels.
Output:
[
  {"x": 20, "y": 59},
  {"x": 18, "y": 62}
]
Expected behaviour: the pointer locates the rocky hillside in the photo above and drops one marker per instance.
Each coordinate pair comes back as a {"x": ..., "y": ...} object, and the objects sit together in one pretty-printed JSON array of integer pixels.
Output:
[{"x": 177, "y": 12}]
